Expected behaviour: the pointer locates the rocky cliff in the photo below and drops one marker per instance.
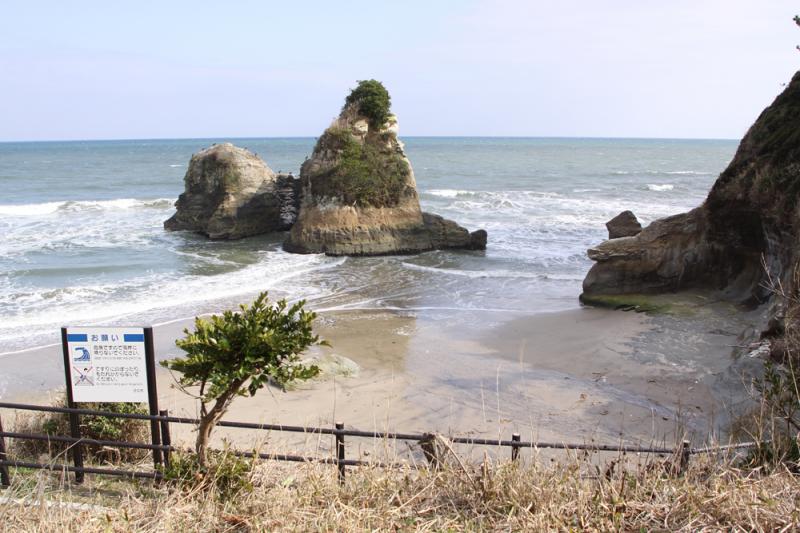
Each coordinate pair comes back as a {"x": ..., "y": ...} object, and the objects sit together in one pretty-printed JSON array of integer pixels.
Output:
[
  {"x": 231, "y": 193},
  {"x": 360, "y": 196},
  {"x": 743, "y": 236}
]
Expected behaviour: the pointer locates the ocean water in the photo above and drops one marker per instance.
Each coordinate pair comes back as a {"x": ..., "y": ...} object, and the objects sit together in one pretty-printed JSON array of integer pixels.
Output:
[{"x": 83, "y": 243}]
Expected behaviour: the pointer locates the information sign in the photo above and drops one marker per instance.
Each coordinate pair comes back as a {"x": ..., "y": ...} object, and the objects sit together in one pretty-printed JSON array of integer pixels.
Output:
[{"x": 107, "y": 364}]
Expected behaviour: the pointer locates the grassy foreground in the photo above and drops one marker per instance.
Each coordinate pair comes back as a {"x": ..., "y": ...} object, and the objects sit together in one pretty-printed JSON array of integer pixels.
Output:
[{"x": 531, "y": 496}]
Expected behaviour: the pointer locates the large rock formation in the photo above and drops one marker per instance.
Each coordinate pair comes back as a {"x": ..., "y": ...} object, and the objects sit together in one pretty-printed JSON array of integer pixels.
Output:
[
  {"x": 360, "y": 196},
  {"x": 231, "y": 193},
  {"x": 743, "y": 236}
]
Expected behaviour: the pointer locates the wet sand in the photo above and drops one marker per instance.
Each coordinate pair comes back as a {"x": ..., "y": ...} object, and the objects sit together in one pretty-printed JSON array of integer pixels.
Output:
[{"x": 574, "y": 376}]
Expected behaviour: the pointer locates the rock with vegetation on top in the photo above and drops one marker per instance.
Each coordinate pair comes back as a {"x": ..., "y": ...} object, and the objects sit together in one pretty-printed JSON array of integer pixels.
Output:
[
  {"x": 359, "y": 192},
  {"x": 231, "y": 193},
  {"x": 623, "y": 225},
  {"x": 742, "y": 238}
]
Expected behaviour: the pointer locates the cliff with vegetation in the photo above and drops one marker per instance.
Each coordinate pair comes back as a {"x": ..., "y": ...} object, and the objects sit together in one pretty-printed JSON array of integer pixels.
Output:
[
  {"x": 359, "y": 192},
  {"x": 743, "y": 240}
]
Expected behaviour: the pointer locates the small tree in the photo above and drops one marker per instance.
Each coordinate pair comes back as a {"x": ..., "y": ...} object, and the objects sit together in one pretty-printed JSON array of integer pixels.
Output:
[
  {"x": 373, "y": 101},
  {"x": 238, "y": 353}
]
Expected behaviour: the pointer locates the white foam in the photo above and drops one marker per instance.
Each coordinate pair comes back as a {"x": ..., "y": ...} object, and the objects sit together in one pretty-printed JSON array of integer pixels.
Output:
[
  {"x": 660, "y": 188},
  {"x": 475, "y": 274},
  {"x": 449, "y": 193},
  {"x": 47, "y": 208},
  {"x": 25, "y": 210},
  {"x": 689, "y": 173},
  {"x": 40, "y": 311}
]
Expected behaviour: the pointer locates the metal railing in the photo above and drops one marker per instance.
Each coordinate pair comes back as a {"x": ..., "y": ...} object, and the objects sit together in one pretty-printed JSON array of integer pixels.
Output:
[{"x": 163, "y": 419}]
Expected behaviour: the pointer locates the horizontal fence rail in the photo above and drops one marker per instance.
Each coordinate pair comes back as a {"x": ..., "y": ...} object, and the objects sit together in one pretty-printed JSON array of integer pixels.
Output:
[{"x": 339, "y": 433}]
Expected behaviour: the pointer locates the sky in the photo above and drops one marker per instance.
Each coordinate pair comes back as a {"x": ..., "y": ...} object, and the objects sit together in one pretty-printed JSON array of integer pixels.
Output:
[{"x": 589, "y": 68}]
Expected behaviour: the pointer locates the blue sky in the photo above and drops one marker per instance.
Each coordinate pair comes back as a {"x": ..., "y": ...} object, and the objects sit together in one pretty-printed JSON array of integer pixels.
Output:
[{"x": 608, "y": 68}]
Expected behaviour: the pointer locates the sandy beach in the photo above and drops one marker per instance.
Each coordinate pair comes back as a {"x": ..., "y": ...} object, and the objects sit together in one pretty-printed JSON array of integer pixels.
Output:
[{"x": 573, "y": 376}]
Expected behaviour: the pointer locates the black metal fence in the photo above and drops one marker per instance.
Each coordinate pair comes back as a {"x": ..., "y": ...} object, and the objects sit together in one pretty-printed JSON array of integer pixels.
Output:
[{"x": 161, "y": 452}]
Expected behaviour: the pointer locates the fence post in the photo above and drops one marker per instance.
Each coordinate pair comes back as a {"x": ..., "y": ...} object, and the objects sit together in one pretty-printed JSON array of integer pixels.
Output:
[
  {"x": 74, "y": 421},
  {"x": 152, "y": 394},
  {"x": 340, "y": 450},
  {"x": 685, "y": 452},
  {"x": 5, "y": 478},
  {"x": 166, "y": 440},
  {"x": 515, "y": 448}
]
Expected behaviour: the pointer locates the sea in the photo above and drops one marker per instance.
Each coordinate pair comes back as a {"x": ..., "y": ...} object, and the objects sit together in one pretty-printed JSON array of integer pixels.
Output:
[{"x": 82, "y": 239}]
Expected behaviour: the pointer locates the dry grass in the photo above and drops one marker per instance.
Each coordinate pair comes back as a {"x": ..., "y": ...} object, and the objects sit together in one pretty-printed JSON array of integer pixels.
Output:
[{"x": 486, "y": 497}]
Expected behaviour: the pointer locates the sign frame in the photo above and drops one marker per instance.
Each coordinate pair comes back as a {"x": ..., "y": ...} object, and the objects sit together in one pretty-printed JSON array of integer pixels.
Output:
[{"x": 152, "y": 398}]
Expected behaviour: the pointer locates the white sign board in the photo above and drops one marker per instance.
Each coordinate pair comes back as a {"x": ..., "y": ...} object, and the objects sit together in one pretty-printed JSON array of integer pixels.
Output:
[{"x": 107, "y": 364}]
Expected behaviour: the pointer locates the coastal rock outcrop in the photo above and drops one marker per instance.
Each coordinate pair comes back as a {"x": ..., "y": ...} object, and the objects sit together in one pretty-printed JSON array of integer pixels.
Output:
[
  {"x": 741, "y": 240},
  {"x": 231, "y": 193},
  {"x": 623, "y": 225},
  {"x": 359, "y": 192}
]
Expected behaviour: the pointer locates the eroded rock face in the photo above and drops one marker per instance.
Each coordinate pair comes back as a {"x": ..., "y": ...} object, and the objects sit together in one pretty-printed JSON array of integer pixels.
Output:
[
  {"x": 231, "y": 193},
  {"x": 662, "y": 257},
  {"x": 743, "y": 236},
  {"x": 623, "y": 225},
  {"x": 360, "y": 197}
]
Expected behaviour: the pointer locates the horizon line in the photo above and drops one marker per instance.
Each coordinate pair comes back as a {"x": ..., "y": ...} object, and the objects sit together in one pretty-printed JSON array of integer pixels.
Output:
[{"x": 565, "y": 137}]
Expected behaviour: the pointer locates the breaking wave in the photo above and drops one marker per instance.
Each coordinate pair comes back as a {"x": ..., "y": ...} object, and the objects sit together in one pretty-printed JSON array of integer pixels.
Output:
[{"x": 48, "y": 208}]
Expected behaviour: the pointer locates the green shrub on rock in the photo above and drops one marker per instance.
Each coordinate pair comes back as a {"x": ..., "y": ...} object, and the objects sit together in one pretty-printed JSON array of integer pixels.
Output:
[{"x": 373, "y": 101}]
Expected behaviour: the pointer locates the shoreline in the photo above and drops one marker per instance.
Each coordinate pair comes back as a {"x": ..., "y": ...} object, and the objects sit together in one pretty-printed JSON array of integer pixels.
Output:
[{"x": 575, "y": 375}]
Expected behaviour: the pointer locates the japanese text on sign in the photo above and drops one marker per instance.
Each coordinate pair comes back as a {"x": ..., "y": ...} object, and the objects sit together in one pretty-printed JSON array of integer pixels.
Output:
[{"x": 107, "y": 364}]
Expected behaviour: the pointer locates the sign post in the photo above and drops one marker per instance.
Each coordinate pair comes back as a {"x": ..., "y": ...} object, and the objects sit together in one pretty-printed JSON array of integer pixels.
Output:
[{"x": 113, "y": 365}]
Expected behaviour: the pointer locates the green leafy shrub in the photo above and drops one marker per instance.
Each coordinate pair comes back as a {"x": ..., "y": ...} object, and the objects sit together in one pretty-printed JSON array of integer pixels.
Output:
[
  {"x": 226, "y": 474},
  {"x": 373, "y": 101},
  {"x": 238, "y": 353}
]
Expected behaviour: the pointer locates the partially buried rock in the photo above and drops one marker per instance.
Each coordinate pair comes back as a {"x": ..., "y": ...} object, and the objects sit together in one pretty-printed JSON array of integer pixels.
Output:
[
  {"x": 231, "y": 193},
  {"x": 359, "y": 192},
  {"x": 623, "y": 225}
]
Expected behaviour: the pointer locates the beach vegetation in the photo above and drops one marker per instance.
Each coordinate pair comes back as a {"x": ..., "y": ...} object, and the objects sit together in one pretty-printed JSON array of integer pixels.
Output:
[
  {"x": 92, "y": 427},
  {"x": 535, "y": 494},
  {"x": 373, "y": 101},
  {"x": 225, "y": 474},
  {"x": 238, "y": 353},
  {"x": 774, "y": 421}
]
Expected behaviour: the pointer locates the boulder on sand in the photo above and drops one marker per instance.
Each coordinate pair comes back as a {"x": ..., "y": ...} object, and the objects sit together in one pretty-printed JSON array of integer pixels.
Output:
[{"x": 231, "y": 193}]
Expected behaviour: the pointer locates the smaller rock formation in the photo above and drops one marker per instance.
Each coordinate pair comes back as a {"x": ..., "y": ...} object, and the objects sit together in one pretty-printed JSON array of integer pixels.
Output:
[
  {"x": 231, "y": 193},
  {"x": 623, "y": 225},
  {"x": 660, "y": 258},
  {"x": 447, "y": 234},
  {"x": 359, "y": 192}
]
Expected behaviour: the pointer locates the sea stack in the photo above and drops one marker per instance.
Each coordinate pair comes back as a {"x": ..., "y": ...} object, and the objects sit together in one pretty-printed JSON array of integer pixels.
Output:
[
  {"x": 231, "y": 193},
  {"x": 359, "y": 193},
  {"x": 742, "y": 239}
]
